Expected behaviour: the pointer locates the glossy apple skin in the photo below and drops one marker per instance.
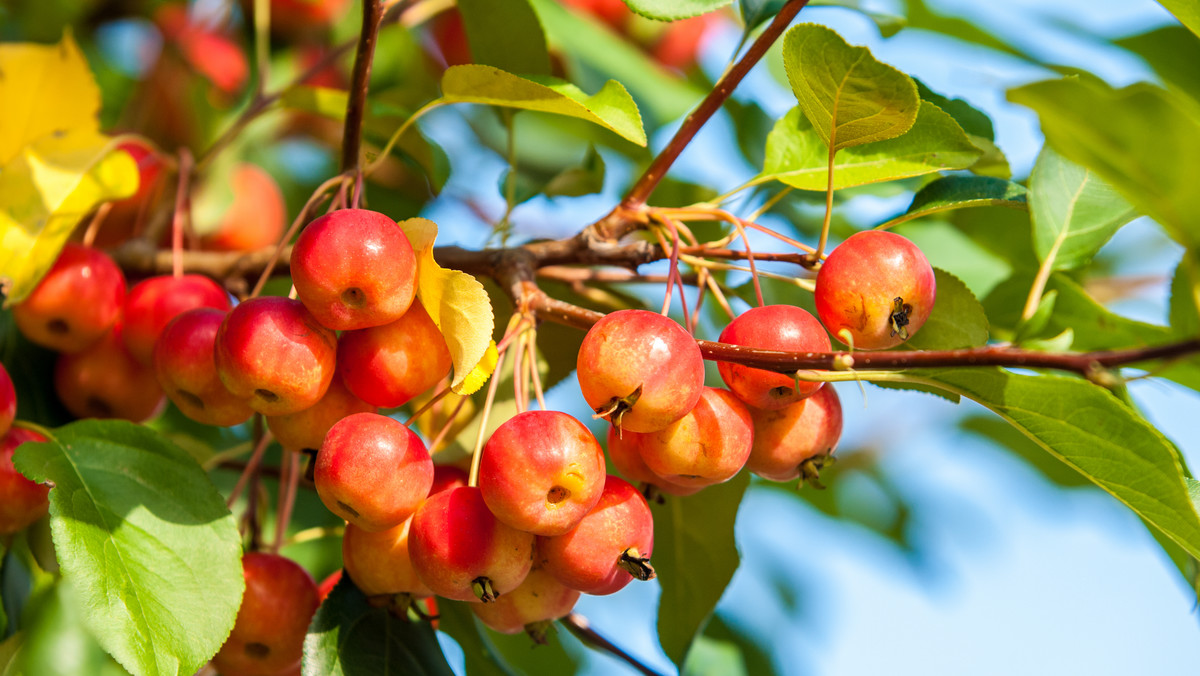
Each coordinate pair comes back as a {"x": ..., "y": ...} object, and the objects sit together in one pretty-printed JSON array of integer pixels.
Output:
[
  {"x": 21, "y": 501},
  {"x": 268, "y": 635},
  {"x": 455, "y": 540},
  {"x": 272, "y": 353},
  {"x": 153, "y": 303},
  {"x": 541, "y": 472},
  {"x": 626, "y": 457},
  {"x": 257, "y": 217},
  {"x": 185, "y": 365},
  {"x": 586, "y": 558},
  {"x": 389, "y": 365},
  {"x": 628, "y": 349},
  {"x": 373, "y": 471},
  {"x": 379, "y": 563},
  {"x": 8, "y": 401},
  {"x": 76, "y": 303},
  {"x": 446, "y": 477},
  {"x": 105, "y": 381},
  {"x": 707, "y": 446},
  {"x": 772, "y": 327},
  {"x": 859, "y": 282},
  {"x": 305, "y": 430},
  {"x": 541, "y": 597},
  {"x": 353, "y": 269},
  {"x": 787, "y": 437}
]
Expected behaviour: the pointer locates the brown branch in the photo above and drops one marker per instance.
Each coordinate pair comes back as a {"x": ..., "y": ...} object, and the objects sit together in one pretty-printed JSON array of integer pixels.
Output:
[
  {"x": 710, "y": 105},
  {"x": 360, "y": 79},
  {"x": 577, "y": 624}
]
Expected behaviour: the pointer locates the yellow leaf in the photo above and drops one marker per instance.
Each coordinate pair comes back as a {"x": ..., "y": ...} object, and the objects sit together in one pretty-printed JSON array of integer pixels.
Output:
[
  {"x": 480, "y": 374},
  {"x": 55, "y": 166},
  {"x": 457, "y": 303}
]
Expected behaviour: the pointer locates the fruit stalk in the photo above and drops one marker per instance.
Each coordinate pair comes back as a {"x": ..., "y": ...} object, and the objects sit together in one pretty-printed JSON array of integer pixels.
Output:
[{"x": 360, "y": 78}]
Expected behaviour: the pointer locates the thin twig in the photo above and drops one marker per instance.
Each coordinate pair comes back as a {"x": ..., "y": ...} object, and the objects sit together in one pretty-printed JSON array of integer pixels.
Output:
[
  {"x": 578, "y": 624},
  {"x": 360, "y": 78}
]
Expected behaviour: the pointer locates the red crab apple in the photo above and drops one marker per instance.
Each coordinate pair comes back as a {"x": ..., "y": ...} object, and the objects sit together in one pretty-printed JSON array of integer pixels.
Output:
[
  {"x": 154, "y": 302},
  {"x": 389, "y": 365},
  {"x": 680, "y": 42},
  {"x": 274, "y": 354},
  {"x": 787, "y": 439},
  {"x": 256, "y": 218},
  {"x": 627, "y": 459},
  {"x": 305, "y": 15},
  {"x": 372, "y": 471},
  {"x": 446, "y": 477},
  {"x": 305, "y": 430},
  {"x": 126, "y": 215},
  {"x": 76, "y": 303},
  {"x": 268, "y": 635},
  {"x": 186, "y": 367},
  {"x": 379, "y": 563},
  {"x": 615, "y": 13},
  {"x": 772, "y": 327},
  {"x": 541, "y": 472},
  {"x": 707, "y": 446},
  {"x": 875, "y": 290},
  {"x": 462, "y": 552},
  {"x": 614, "y": 540},
  {"x": 353, "y": 269},
  {"x": 8, "y": 401},
  {"x": 531, "y": 607},
  {"x": 640, "y": 370},
  {"x": 105, "y": 381},
  {"x": 21, "y": 501}
]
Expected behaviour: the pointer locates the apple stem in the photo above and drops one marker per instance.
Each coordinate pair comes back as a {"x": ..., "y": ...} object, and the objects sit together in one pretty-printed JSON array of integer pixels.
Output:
[
  {"x": 477, "y": 454},
  {"x": 582, "y": 629},
  {"x": 520, "y": 376},
  {"x": 182, "y": 214},
  {"x": 737, "y": 223},
  {"x": 301, "y": 219},
  {"x": 251, "y": 466},
  {"x": 289, "y": 482},
  {"x": 359, "y": 81},
  {"x": 531, "y": 347},
  {"x": 433, "y": 445},
  {"x": 93, "y": 227},
  {"x": 428, "y": 405}
]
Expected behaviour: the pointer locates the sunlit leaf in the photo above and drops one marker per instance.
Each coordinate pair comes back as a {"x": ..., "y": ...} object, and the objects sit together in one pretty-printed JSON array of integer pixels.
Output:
[
  {"x": 611, "y": 107},
  {"x": 1171, "y": 51},
  {"x": 1187, "y": 11},
  {"x": 849, "y": 97},
  {"x": 505, "y": 34},
  {"x": 1185, "y": 296},
  {"x": 1074, "y": 212},
  {"x": 145, "y": 539},
  {"x": 672, "y": 10},
  {"x": 1145, "y": 144},
  {"x": 961, "y": 192},
  {"x": 796, "y": 155},
  {"x": 957, "y": 319},
  {"x": 758, "y": 12},
  {"x": 456, "y": 302},
  {"x": 695, "y": 556}
]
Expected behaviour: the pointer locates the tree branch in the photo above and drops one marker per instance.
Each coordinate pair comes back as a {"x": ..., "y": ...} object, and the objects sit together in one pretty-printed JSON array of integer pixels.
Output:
[
  {"x": 360, "y": 79},
  {"x": 578, "y": 625}
]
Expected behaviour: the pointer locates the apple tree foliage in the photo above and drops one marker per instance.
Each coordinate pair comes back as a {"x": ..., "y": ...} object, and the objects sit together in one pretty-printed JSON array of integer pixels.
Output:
[{"x": 137, "y": 566}]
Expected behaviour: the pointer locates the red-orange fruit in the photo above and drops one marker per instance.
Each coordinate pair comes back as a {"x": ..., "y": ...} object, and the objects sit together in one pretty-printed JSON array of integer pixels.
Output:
[
  {"x": 186, "y": 367},
  {"x": 21, "y": 501},
  {"x": 773, "y": 327},
  {"x": 540, "y": 599},
  {"x": 305, "y": 430},
  {"x": 389, "y": 365},
  {"x": 784, "y": 439},
  {"x": 105, "y": 381},
  {"x": 268, "y": 635},
  {"x": 707, "y": 446},
  {"x": 379, "y": 563},
  {"x": 76, "y": 303},
  {"x": 152, "y": 303}
]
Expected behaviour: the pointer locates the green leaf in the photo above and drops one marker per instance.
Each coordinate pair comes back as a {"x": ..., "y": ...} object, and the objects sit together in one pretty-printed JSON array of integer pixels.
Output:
[
  {"x": 505, "y": 34},
  {"x": 348, "y": 636},
  {"x": 757, "y": 12},
  {"x": 585, "y": 179},
  {"x": 611, "y": 107},
  {"x": 850, "y": 97},
  {"x": 146, "y": 540},
  {"x": 695, "y": 556},
  {"x": 963, "y": 192},
  {"x": 1035, "y": 325},
  {"x": 58, "y": 644},
  {"x": 796, "y": 155},
  {"x": 957, "y": 319},
  {"x": 973, "y": 121},
  {"x": 1172, "y": 52},
  {"x": 1145, "y": 144},
  {"x": 1091, "y": 430},
  {"x": 480, "y": 656},
  {"x": 1185, "y": 296},
  {"x": 1006, "y": 436},
  {"x": 1074, "y": 213},
  {"x": 1186, "y": 11},
  {"x": 672, "y": 10},
  {"x": 919, "y": 15}
]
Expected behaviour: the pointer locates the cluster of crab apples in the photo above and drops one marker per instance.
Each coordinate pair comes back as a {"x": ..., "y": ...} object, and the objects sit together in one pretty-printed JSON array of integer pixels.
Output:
[{"x": 544, "y": 522}]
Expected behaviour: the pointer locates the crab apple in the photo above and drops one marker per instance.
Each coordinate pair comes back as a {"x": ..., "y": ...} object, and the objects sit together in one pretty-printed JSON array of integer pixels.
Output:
[
  {"x": 389, "y": 365},
  {"x": 610, "y": 547},
  {"x": 772, "y": 327},
  {"x": 875, "y": 290},
  {"x": 615, "y": 13},
  {"x": 21, "y": 501},
  {"x": 681, "y": 41},
  {"x": 379, "y": 563},
  {"x": 8, "y": 401},
  {"x": 154, "y": 302},
  {"x": 449, "y": 37},
  {"x": 372, "y": 471},
  {"x": 707, "y": 446},
  {"x": 186, "y": 367},
  {"x": 446, "y": 477},
  {"x": 305, "y": 430},
  {"x": 531, "y": 607},
  {"x": 274, "y": 354},
  {"x": 640, "y": 370},
  {"x": 125, "y": 215},
  {"x": 461, "y": 551},
  {"x": 788, "y": 438},
  {"x": 268, "y": 635},
  {"x": 105, "y": 381},
  {"x": 302, "y": 15},
  {"x": 627, "y": 459},
  {"x": 76, "y": 303},
  {"x": 541, "y": 472},
  {"x": 353, "y": 269},
  {"x": 256, "y": 218}
]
